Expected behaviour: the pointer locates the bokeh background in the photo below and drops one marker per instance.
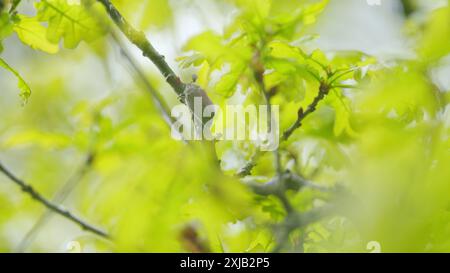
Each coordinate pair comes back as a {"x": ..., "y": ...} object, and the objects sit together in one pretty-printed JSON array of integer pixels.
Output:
[{"x": 141, "y": 184}]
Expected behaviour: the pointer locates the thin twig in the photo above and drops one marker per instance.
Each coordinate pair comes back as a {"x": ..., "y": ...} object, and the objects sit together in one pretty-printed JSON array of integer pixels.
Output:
[
  {"x": 50, "y": 205},
  {"x": 14, "y": 6}
]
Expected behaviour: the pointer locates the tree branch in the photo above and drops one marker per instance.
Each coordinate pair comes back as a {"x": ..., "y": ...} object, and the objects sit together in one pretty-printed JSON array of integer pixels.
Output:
[
  {"x": 55, "y": 208},
  {"x": 138, "y": 39},
  {"x": 258, "y": 73},
  {"x": 301, "y": 115}
]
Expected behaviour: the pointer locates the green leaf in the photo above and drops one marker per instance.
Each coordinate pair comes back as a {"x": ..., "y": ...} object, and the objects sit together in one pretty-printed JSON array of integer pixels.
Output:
[
  {"x": 146, "y": 13},
  {"x": 319, "y": 57},
  {"x": 48, "y": 140},
  {"x": 435, "y": 43},
  {"x": 208, "y": 43},
  {"x": 279, "y": 49},
  {"x": 25, "y": 90},
  {"x": 156, "y": 13},
  {"x": 203, "y": 75},
  {"x": 341, "y": 118},
  {"x": 311, "y": 13},
  {"x": 258, "y": 8},
  {"x": 229, "y": 59},
  {"x": 32, "y": 33},
  {"x": 68, "y": 21}
]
